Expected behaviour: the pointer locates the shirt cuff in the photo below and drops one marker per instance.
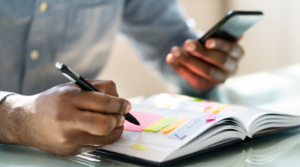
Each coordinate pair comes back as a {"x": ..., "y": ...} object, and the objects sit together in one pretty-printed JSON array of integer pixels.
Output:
[{"x": 3, "y": 95}]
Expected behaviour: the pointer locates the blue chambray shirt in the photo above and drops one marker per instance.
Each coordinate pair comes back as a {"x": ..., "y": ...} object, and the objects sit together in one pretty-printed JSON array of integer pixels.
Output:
[{"x": 35, "y": 34}]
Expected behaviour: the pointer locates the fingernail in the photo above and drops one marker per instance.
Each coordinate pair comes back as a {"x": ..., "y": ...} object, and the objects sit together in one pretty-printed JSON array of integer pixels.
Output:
[
  {"x": 122, "y": 120},
  {"x": 128, "y": 108},
  {"x": 176, "y": 52},
  {"x": 191, "y": 46},
  {"x": 217, "y": 75},
  {"x": 212, "y": 44}
]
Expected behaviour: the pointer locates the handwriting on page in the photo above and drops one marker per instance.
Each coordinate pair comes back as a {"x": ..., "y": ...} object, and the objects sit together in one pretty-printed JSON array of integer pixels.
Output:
[
  {"x": 144, "y": 118},
  {"x": 189, "y": 128}
]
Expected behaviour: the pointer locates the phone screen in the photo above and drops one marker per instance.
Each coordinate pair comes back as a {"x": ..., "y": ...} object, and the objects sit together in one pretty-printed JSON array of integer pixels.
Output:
[{"x": 232, "y": 26}]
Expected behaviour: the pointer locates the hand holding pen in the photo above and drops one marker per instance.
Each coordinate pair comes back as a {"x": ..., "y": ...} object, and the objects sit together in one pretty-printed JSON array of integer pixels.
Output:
[
  {"x": 80, "y": 81},
  {"x": 65, "y": 119}
]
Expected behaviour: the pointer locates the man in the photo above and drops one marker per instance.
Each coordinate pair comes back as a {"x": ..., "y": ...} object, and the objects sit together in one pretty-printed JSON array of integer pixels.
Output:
[{"x": 64, "y": 119}]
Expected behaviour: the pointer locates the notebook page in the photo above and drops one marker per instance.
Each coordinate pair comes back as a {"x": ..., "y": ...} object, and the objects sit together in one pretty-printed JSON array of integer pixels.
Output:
[
  {"x": 181, "y": 102},
  {"x": 155, "y": 145}
]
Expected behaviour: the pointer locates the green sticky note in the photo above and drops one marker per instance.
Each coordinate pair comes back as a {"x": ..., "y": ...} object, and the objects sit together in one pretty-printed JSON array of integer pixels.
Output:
[
  {"x": 164, "y": 124},
  {"x": 161, "y": 121},
  {"x": 197, "y": 99}
]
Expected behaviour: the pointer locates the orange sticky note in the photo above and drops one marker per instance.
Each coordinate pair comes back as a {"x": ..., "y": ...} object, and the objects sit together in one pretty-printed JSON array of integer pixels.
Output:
[
  {"x": 217, "y": 110},
  {"x": 174, "y": 125}
]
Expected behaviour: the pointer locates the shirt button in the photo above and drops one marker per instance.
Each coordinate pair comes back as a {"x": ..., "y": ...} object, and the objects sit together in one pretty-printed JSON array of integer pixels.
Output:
[
  {"x": 34, "y": 55},
  {"x": 43, "y": 6}
]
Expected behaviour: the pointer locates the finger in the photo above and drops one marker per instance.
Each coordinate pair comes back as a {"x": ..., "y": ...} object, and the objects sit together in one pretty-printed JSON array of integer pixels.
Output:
[
  {"x": 217, "y": 58},
  {"x": 193, "y": 79},
  {"x": 97, "y": 124},
  {"x": 105, "y": 86},
  {"x": 199, "y": 66},
  {"x": 100, "y": 102},
  {"x": 241, "y": 37},
  {"x": 87, "y": 139},
  {"x": 232, "y": 48}
]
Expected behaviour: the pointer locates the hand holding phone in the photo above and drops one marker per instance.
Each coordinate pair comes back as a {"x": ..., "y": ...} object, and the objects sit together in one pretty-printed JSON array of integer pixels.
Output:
[{"x": 213, "y": 58}]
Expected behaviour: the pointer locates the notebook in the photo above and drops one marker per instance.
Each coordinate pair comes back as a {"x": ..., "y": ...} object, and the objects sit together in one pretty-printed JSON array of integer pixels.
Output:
[{"x": 174, "y": 127}]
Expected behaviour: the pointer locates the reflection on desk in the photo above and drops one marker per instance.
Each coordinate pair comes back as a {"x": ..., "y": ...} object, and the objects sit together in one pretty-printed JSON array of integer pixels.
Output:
[{"x": 274, "y": 150}]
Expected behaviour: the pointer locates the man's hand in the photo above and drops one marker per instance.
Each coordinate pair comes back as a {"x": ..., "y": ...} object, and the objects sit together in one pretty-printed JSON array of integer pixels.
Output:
[
  {"x": 205, "y": 67},
  {"x": 64, "y": 120}
]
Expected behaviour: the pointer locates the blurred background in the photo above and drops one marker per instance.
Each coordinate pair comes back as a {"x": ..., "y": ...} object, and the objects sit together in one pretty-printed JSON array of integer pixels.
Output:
[{"x": 270, "y": 44}]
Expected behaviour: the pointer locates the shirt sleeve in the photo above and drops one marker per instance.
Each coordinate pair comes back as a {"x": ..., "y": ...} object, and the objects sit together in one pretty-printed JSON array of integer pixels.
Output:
[
  {"x": 153, "y": 27},
  {"x": 4, "y": 94}
]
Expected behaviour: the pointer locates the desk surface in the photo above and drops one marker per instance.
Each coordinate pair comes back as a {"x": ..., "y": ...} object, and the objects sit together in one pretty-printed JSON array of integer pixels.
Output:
[
  {"x": 282, "y": 149},
  {"x": 275, "y": 150}
]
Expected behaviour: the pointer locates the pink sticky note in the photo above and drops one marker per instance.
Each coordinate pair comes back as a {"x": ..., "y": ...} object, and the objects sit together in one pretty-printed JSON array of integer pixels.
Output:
[
  {"x": 210, "y": 117},
  {"x": 144, "y": 118}
]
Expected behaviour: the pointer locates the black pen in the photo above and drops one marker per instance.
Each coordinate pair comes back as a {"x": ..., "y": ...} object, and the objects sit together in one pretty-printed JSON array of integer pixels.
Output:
[{"x": 85, "y": 85}]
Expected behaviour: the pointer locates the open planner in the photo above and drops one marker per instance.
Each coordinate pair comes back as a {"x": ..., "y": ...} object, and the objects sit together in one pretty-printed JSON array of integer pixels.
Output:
[{"x": 176, "y": 126}]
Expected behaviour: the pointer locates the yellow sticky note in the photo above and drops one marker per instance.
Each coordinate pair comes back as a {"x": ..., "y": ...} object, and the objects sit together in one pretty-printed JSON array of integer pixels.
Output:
[
  {"x": 173, "y": 126},
  {"x": 168, "y": 106},
  {"x": 161, "y": 121},
  {"x": 217, "y": 110},
  {"x": 139, "y": 147}
]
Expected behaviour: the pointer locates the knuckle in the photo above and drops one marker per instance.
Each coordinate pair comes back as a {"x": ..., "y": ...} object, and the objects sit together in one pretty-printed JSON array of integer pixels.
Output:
[
  {"x": 206, "y": 69},
  {"x": 106, "y": 127},
  {"x": 64, "y": 139},
  {"x": 111, "y": 84},
  {"x": 221, "y": 58}
]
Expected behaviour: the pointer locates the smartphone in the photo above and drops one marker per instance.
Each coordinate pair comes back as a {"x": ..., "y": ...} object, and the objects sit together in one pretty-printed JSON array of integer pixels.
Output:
[{"x": 233, "y": 25}]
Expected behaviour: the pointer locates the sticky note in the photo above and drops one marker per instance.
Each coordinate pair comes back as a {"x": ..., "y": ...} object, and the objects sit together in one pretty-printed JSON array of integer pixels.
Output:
[
  {"x": 168, "y": 106},
  {"x": 150, "y": 127},
  {"x": 144, "y": 118},
  {"x": 163, "y": 125},
  {"x": 217, "y": 110},
  {"x": 196, "y": 99},
  {"x": 174, "y": 125},
  {"x": 139, "y": 147},
  {"x": 210, "y": 117},
  {"x": 207, "y": 108}
]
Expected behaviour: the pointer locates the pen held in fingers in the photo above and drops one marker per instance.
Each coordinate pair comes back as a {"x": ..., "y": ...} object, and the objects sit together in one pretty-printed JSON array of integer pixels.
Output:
[
  {"x": 131, "y": 119},
  {"x": 85, "y": 85}
]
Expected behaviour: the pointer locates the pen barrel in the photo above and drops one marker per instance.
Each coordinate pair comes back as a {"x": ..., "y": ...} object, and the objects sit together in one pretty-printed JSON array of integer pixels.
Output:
[{"x": 86, "y": 85}]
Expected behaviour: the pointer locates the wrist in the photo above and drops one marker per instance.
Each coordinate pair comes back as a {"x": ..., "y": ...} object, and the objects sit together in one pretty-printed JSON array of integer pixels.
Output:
[{"x": 12, "y": 117}]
